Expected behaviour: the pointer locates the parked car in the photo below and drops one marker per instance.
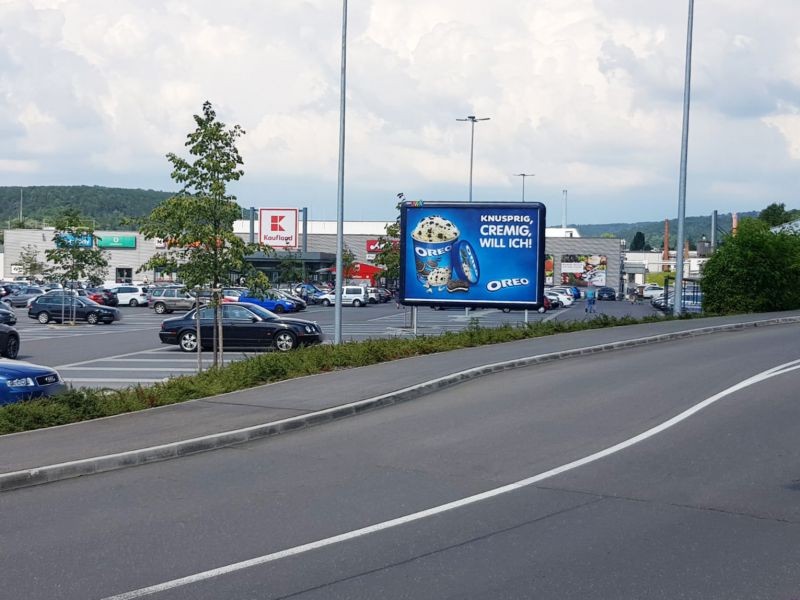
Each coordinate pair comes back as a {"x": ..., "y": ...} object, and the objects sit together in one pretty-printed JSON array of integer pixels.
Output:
[
  {"x": 606, "y": 293},
  {"x": 244, "y": 325},
  {"x": 7, "y": 315},
  {"x": 272, "y": 302},
  {"x": 102, "y": 296},
  {"x": 20, "y": 298},
  {"x": 554, "y": 300},
  {"x": 132, "y": 295},
  {"x": 352, "y": 295},
  {"x": 9, "y": 341},
  {"x": 564, "y": 296},
  {"x": 546, "y": 305},
  {"x": 374, "y": 295},
  {"x": 652, "y": 290},
  {"x": 167, "y": 300},
  {"x": 386, "y": 294},
  {"x": 299, "y": 303},
  {"x": 23, "y": 381},
  {"x": 48, "y": 308}
]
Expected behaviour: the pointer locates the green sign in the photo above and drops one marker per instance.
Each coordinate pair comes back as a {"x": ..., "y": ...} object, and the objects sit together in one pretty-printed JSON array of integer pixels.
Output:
[{"x": 116, "y": 241}]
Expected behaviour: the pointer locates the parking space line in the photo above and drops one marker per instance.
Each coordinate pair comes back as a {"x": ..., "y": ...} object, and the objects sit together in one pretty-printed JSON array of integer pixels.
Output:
[
  {"x": 86, "y": 362},
  {"x": 176, "y": 369}
]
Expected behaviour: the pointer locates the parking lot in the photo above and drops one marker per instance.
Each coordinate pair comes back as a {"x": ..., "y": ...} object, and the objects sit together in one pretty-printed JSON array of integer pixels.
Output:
[{"x": 128, "y": 352}]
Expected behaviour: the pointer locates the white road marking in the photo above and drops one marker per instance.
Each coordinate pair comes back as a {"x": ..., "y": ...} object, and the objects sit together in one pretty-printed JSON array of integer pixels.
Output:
[
  {"x": 114, "y": 380},
  {"x": 125, "y": 369},
  {"x": 423, "y": 514},
  {"x": 86, "y": 362}
]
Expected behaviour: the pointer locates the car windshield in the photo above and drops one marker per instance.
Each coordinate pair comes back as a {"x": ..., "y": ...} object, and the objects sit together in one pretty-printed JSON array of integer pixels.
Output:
[{"x": 261, "y": 311}]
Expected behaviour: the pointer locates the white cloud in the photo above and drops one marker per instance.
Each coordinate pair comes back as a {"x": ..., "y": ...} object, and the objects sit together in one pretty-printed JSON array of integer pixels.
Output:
[{"x": 585, "y": 93}]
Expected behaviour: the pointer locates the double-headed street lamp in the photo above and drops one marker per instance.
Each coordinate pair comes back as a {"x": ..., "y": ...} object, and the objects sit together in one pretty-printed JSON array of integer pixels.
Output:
[
  {"x": 472, "y": 119},
  {"x": 524, "y": 175}
]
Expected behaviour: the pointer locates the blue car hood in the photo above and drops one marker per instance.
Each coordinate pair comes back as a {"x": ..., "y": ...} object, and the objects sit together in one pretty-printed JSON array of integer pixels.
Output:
[{"x": 15, "y": 368}]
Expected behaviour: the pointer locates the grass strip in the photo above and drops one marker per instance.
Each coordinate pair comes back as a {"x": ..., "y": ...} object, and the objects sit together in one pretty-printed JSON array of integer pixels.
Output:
[{"x": 81, "y": 404}]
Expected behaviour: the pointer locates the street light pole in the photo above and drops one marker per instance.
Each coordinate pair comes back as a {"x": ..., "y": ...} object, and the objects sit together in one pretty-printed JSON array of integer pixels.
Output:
[
  {"x": 564, "y": 213},
  {"x": 687, "y": 90},
  {"x": 472, "y": 119},
  {"x": 337, "y": 328},
  {"x": 524, "y": 175}
]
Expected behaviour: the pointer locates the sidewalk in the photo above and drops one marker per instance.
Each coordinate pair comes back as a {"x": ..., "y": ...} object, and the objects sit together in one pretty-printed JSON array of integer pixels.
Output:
[{"x": 23, "y": 454}]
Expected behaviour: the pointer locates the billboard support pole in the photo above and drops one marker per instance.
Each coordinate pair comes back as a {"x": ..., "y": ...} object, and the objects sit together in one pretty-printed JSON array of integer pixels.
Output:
[
  {"x": 414, "y": 320},
  {"x": 526, "y": 315}
]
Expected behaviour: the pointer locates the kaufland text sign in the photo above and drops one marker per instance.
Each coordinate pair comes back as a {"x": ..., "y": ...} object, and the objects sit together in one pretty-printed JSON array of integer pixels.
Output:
[{"x": 278, "y": 228}]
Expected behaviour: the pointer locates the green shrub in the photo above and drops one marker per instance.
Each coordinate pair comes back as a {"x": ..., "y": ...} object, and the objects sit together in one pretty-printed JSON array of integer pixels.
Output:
[{"x": 82, "y": 404}]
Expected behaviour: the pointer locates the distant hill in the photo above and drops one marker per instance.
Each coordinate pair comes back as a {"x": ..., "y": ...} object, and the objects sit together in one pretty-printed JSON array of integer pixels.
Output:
[
  {"x": 695, "y": 228},
  {"x": 107, "y": 206}
]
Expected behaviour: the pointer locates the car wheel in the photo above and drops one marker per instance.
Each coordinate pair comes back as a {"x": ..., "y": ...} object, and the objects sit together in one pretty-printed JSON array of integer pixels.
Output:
[
  {"x": 43, "y": 317},
  {"x": 188, "y": 341},
  {"x": 160, "y": 308},
  {"x": 326, "y": 302},
  {"x": 133, "y": 302},
  {"x": 506, "y": 310},
  {"x": 92, "y": 318},
  {"x": 279, "y": 309},
  {"x": 12, "y": 347},
  {"x": 284, "y": 341},
  {"x": 356, "y": 302},
  {"x": 542, "y": 310}
]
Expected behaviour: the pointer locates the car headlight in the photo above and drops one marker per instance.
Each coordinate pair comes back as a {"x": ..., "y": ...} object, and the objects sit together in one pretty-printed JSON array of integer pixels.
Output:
[
  {"x": 21, "y": 382},
  {"x": 309, "y": 329}
]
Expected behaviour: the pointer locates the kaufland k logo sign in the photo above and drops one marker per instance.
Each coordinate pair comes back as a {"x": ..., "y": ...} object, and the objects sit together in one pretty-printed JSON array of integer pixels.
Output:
[{"x": 278, "y": 227}]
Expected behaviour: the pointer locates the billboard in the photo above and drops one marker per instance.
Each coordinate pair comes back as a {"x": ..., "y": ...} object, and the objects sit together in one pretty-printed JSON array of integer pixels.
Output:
[
  {"x": 67, "y": 240},
  {"x": 116, "y": 241},
  {"x": 472, "y": 254},
  {"x": 278, "y": 228},
  {"x": 583, "y": 269}
]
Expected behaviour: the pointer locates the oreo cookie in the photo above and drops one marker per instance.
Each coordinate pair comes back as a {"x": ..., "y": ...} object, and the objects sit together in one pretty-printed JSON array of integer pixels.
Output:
[{"x": 457, "y": 285}]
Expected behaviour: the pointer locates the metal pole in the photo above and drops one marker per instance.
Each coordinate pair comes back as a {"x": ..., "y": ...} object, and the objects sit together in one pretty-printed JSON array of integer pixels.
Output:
[
  {"x": 337, "y": 329},
  {"x": 305, "y": 229},
  {"x": 687, "y": 90},
  {"x": 20, "y": 208},
  {"x": 253, "y": 225},
  {"x": 564, "y": 213},
  {"x": 414, "y": 320},
  {"x": 523, "y": 175},
  {"x": 713, "y": 231},
  {"x": 471, "y": 154}
]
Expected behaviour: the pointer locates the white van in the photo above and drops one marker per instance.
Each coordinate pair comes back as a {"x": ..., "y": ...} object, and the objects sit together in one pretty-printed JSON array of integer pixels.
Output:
[
  {"x": 132, "y": 295},
  {"x": 352, "y": 295}
]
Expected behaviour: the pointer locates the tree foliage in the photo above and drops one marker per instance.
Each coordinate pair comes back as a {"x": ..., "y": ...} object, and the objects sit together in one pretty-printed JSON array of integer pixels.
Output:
[
  {"x": 388, "y": 256},
  {"x": 776, "y": 214},
  {"x": 70, "y": 260},
  {"x": 109, "y": 208},
  {"x": 29, "y": 260},
  {"x": 197, "y": 223},
  {"x": 637, "y": 243},
  {"x": 754, "y": 271},
  {"x": 290, "y": 269}
]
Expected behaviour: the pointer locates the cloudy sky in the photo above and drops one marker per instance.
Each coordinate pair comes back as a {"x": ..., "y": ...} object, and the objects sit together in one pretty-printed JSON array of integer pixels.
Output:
[{"x": 585, "y": 94}]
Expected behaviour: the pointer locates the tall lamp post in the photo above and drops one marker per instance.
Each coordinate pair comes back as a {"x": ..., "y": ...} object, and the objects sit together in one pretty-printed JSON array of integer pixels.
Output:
[
  {"x": 524, "y": 175},
  {"x": 337, "y": 315},
  {"x": 687, "y": 91},
  {"x": 564, "y": 213},
  {"x": 472, "y": 119}
]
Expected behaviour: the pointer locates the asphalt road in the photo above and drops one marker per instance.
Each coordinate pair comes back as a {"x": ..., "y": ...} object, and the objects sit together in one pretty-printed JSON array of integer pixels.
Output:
[
  {"x": 129, "y": 352},
  {"x": 707, "y": 508}
]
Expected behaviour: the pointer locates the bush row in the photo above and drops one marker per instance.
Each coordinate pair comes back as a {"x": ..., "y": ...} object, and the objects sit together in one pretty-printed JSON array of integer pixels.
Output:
[{"x": 83, "y": 403}]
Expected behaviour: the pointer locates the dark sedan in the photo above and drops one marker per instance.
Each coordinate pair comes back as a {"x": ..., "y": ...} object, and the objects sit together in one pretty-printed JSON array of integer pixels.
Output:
[
  {"x": 7, "y": 315},
  {"x": 9, "y": 341},
  {"x": 22, "y": 381},
  {"x": 606, "y": 293},
  {"x": 244, "y": 325},
  {"x": 63, "y": 308},
  {"x": 20, "y": 298}
]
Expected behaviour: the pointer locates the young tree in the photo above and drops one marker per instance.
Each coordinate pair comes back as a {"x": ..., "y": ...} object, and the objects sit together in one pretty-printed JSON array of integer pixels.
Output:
[
  {"x": 389, "y": 254},
  {"x": 197, "y": 222},
  {"x": 74, "y": 258},
  {"x": 754, "y": 271},
  {"x": 29, "y": 261},
  {"x": 348, "y": 262},
  {"x": 290, "y": 269}
]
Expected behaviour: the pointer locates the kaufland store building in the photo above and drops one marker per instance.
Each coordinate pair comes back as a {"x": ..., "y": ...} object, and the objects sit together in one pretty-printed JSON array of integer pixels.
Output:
[{"x": 312, "y": 243}]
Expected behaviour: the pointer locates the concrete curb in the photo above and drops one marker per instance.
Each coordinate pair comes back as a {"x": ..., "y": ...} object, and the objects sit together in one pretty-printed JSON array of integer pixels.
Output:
[{"x": 111, "y": 462}]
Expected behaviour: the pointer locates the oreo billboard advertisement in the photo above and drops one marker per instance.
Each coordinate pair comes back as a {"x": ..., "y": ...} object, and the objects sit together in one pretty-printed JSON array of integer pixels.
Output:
[{"x": 472, "y": 254}]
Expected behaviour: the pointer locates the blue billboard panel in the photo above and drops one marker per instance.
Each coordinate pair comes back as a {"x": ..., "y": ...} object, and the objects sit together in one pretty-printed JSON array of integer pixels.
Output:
[
  {"x": 472, "y": 254},
  {"x": 67, "y": 240}
]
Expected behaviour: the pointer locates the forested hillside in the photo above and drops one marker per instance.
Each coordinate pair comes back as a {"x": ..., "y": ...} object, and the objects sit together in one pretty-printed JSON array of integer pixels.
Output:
[
  {"x": 108, "y": 207},
  {"x": 653, "y": 231}
]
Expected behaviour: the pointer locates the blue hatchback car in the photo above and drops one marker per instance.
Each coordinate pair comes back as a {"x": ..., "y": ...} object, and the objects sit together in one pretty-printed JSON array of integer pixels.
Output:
[
  {"x": 23, "y": 381},
  {"x": 272, "y": 302}
]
